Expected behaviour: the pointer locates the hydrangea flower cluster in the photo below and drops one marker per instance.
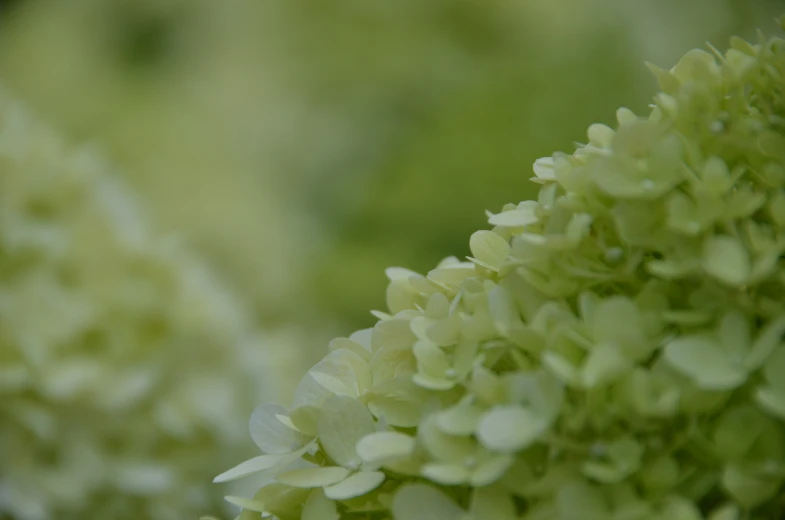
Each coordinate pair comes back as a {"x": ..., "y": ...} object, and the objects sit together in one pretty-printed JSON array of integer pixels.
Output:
[
  {"x": 115, "y": 346},
  {"x": 611, "y": 350}
]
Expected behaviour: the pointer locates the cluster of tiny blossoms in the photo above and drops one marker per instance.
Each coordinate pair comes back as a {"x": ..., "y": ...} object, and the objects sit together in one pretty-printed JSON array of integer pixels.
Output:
[
  {"x": 115, "y": 346},
  {"x": 612, "y": 350}
]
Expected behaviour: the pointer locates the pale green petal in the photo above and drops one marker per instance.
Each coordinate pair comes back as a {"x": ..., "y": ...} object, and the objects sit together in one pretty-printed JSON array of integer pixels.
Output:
[
  {"x": 581, "y": 501},
  {"x": 769, "y": 339},
  {"x": 510, "y": 428},
  {"x": 313, "y": 477},
  {"x": 772, "y": 400},
  {"x": 660, "y": 474},
  {"x": 433, "y": 383},
  {"x": 677, "y": 508},
  {"x": 319, "y": 507},
  {"x": 446, "y": 473},
  {"x": 726, "y": 259},
  {"x": 438, "y": 306},
  {"x": 492, "y": 503},
  {"x": 623, "y": 457},
  {"x": 461, "y": 419},
  {"x": 342, "y": 372},
  {"x": 490, "y": 470},
  {"x": 335, "y": 385},
  {"x": 561, "y": 368},
  {"x": 356, "y": 485},
  {"x": 389, "y": 363},
  {"x": 747, "y": 490},
  {"x": 523, "y": 216},
  {"x": 737, "y": 431},
  {"x": 423, "y": 502},
  {"x": 305, "y": 419},
  {"x": 734, "y": 334},
  {"x": 504, "y": 310},
  {"x": 452, "y": 275},
  {"x": 397, "y": 411},
  {"x": 604, "y": 364},
  {"x": 270, "y": 434},
  {"x": 774, "y": 370},
  {"x": 617, "y": 320},
  {"x": 392, "y": 334},
  {"x": 246, "y": 504},
  {"x": 489, "y": 248},
  {"x": 486, "y": 386},
  {"x": 343, "y": 422},
  {"x": 726, "y": 512},
  {"x": 346, "y": 343},
  {"x": 257, "y": 465},
  {"x": 379, "y": 447},
  {"x": 704, "y": 362},
  {"x": 310, "y": 393},
  {"x": 544, "y": 170},
  {"x": 431, "y": 360},
  {"x": 445, "y": 447}
]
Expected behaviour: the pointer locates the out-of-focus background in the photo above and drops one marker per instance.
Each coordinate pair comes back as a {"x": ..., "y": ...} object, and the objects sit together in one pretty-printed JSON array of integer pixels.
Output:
[{"x": 301, "y": 147}]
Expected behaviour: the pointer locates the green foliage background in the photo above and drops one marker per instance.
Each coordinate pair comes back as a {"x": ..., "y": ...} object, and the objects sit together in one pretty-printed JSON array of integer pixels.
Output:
[
  {"x": 302, "y": 147},
  {"x": 305, "y": 146}
]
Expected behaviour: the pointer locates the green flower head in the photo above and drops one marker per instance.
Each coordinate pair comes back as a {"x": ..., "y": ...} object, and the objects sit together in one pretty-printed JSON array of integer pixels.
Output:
[
  {"x": 611, "y": 350},
  {"x": 116, "y": 346}
]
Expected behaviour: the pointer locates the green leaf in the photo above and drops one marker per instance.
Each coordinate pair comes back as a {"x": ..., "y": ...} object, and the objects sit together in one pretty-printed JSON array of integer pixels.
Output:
[{"x": 356, "y": 485}]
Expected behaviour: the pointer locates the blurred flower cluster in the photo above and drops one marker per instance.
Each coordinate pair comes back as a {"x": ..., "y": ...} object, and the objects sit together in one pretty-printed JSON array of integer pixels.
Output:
[
  {"x": 610, "y": 350},
  {"x": 125, "y": 366}
]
